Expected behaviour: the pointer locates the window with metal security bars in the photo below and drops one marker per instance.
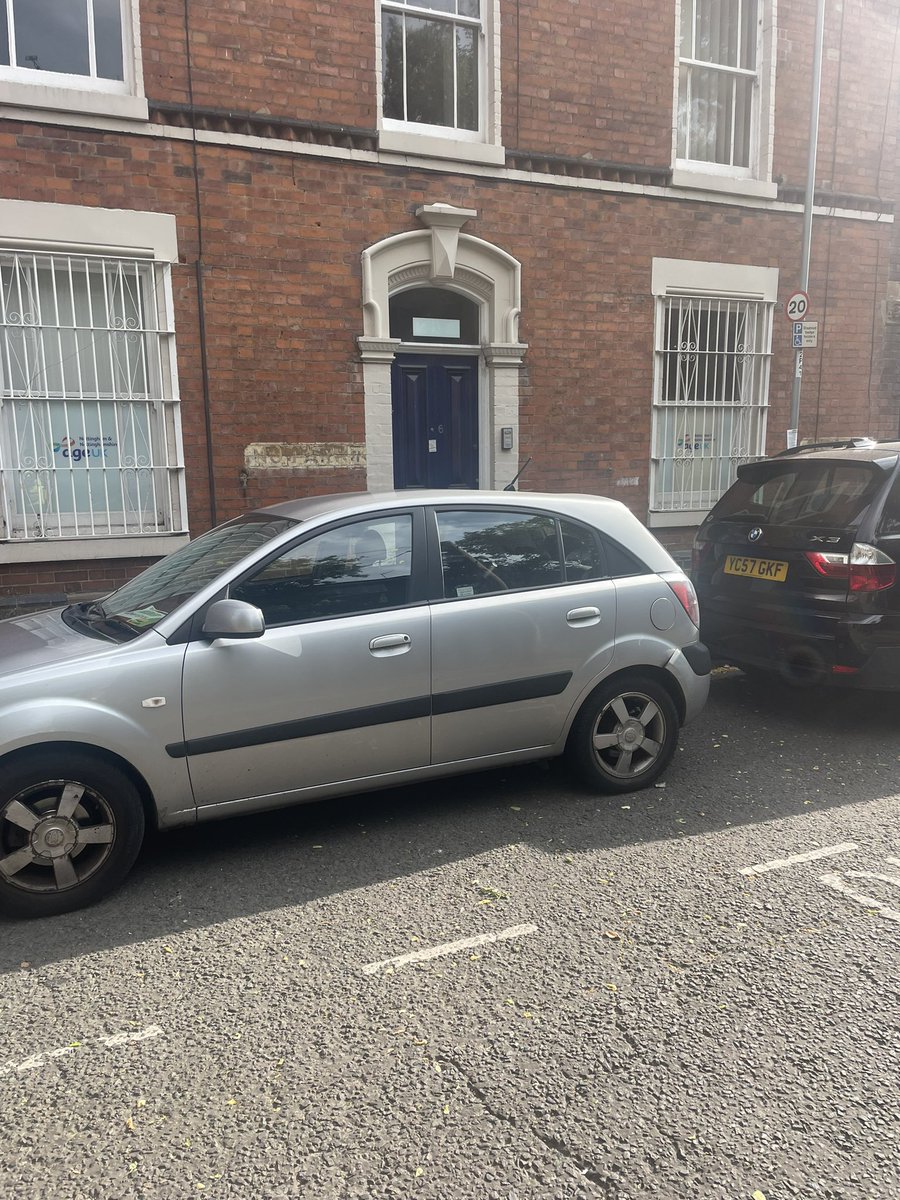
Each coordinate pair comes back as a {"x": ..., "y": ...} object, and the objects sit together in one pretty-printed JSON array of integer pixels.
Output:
[
  {"x": 90, "y": 438},
  {"x": 718, "y": 82},
  {"x": 432, "y": 63},
  {"x": 711, "y": 385}
]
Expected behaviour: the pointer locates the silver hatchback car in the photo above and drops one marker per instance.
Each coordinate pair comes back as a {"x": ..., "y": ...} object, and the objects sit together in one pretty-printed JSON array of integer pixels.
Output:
[{"x": 331, "y": 645}]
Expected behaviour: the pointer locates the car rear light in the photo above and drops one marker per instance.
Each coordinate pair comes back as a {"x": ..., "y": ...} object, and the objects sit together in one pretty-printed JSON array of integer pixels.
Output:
[
  {"x": 870, "y": 570},
  {"x": 832, "y": 566},
  {"x": 684, "y": 590},
  {"x": 865, "y": 568}
]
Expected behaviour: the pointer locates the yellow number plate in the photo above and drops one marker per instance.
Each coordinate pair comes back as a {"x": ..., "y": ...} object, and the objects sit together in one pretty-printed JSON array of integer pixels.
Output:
[{"x": 756, "y": 568}]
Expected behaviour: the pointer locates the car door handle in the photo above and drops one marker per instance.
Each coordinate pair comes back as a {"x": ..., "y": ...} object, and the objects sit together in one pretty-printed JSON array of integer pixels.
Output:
[
  {"x": 583, "y": 616},
  {"x": 390, "y": 643}
]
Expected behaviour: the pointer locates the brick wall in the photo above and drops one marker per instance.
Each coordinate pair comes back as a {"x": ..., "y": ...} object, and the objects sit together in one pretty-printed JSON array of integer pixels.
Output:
[
  {"x": 579, "y": 77},
  {"x": 308, "y": 59},
  {"x": 589, "y": 77},
  {"x": 858, "y": 114},
  {"x": 281, "y": 237}
]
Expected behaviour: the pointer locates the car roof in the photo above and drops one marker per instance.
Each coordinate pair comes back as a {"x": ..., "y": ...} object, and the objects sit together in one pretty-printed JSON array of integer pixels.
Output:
[
  {"x": 614, "y": 517},
  {"x": 345, "y": 503},
  {"x": 853, "y": 450}
]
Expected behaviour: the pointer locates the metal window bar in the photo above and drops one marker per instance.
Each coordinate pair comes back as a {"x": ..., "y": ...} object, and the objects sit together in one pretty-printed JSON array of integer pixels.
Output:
[
  {"x": 90, "y": 440},
  {"x": 711, "y": 377}
]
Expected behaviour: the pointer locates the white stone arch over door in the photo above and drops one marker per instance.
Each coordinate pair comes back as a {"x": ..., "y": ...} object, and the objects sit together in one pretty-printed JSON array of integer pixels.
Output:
[{"x": 441, "y": 256}]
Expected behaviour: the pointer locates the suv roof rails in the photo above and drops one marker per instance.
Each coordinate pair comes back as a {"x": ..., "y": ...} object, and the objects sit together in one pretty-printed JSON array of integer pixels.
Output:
[{"x": 854, "y": 443}]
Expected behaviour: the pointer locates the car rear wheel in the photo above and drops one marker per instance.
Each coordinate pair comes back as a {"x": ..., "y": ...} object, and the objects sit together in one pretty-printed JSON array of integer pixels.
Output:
[
  {"x": 625, "y": 735},
  {"x": 71, "y": 827}
]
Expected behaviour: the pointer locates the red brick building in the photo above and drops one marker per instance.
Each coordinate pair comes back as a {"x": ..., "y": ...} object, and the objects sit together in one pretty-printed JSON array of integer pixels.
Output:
[{"x": 255, "y": 251}]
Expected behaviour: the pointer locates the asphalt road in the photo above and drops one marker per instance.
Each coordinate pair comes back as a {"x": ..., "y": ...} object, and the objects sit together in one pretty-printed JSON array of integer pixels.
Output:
[{"x": 655, "y": 1023}]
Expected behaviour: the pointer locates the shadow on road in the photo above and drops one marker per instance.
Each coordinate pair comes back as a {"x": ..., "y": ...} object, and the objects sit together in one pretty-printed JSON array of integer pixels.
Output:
[{"x": 758, "y": 753}]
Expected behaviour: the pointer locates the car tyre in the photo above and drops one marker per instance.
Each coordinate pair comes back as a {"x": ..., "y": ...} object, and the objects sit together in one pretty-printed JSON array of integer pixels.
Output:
[
  {"x": 624, "y": 736},
  {"x": 71, "y": 826}
]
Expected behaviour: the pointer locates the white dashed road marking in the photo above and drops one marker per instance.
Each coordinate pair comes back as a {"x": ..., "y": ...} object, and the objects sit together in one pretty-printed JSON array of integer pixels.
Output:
[
  {"x": 482, "y": 939},
  {"x": 836, "y": 883},
  {"x": 776, "y": 864},
  {"x": 42, "y": 1059}
]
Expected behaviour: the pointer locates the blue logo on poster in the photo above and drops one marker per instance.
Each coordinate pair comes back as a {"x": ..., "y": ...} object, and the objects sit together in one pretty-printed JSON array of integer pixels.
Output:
[{"x": 83, "y": 448}]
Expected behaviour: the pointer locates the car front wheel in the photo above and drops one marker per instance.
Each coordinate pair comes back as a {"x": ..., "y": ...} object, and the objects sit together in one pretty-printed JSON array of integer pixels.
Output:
[
  {"x": 625, "y": 735},
  {"x": 71, "y": 827}
]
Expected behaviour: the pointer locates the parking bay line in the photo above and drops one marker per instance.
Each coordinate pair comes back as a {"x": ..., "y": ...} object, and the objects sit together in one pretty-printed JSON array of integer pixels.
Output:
[
  {"x": 469, "y": 943},
  {"x": 776, "y": 864},
  {"x": 834, "y": 881},
  {"x": 42, "y": 1058}
]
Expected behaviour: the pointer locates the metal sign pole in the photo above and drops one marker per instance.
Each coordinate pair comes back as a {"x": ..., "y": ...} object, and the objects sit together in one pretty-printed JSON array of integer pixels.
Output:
[{"x": 793, "y": 432}]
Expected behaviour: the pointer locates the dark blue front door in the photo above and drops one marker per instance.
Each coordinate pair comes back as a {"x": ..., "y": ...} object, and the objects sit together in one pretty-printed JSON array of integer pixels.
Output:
[{"x": 435, "y": 411}]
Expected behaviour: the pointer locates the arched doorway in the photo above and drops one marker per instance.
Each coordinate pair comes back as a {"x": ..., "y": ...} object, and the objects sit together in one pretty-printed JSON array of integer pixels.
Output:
[{"x": 441, "y": 357}]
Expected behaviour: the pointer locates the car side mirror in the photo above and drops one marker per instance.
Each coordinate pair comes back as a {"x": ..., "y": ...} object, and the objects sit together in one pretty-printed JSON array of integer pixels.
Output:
[{"x": 233, "y": 619}]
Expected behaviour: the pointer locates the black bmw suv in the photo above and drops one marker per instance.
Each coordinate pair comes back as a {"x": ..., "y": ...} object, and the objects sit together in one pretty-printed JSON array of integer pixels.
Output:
[{"x": 796, "y": 566}]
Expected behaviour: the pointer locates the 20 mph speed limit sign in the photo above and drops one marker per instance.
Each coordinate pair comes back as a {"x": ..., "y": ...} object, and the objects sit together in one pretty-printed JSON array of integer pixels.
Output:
[{"x": 796, "y": 306}]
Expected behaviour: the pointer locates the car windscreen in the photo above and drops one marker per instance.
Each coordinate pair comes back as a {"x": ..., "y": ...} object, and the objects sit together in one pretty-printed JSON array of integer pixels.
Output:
[
  {"x": 807, "y": 493},
  {"x": 147, "y": 598}
]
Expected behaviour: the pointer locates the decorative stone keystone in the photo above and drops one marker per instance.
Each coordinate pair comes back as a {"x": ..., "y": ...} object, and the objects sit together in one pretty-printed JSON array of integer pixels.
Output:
[{"x": 445, "y": 222}]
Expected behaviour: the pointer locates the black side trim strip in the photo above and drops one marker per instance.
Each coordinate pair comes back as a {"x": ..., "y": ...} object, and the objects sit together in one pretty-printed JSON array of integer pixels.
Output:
[
  {"x": 353, "y": 718},
  {"x": 484, "y": 696},
  {"x": 501, "y": 693}
]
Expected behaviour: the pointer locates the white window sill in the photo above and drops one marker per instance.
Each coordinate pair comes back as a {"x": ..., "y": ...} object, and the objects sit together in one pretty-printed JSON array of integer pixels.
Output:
[
  {"x": 731, "y": 185},
  {"x": 675, "y": 520},
  {"x": 152, "y": 545},
  {"x": 423, "y": 145},
  {"x": 73, "y": 100}
]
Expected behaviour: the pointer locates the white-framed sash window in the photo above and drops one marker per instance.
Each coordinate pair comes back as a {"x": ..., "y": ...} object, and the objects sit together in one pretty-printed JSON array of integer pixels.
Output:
[
  {"x": 72, "y": 55},
  {"x": 431, "y": 64},
  {"x": 718, "y": 81},
  {"x": 724, "y": 95},
  {"x": 439, "y": 78},
  {"x": 90, "y": 441}
]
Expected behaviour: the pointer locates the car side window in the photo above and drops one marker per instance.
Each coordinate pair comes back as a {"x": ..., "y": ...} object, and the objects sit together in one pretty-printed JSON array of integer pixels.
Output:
[
  {"x": 622, "y": 562},
  {"x": 583, "y": 554},
  {"x": 890, "y": 514},
  {"x": 359, "y": 567},
  {"x": 497, "y": 551}
]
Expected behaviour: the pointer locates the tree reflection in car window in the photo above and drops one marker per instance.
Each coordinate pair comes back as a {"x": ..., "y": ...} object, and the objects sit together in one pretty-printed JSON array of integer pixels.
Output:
[
  {"x": 483, "y": 552},
  {"x": 143, "y": 601},
  {"x": 359, "y": 567},
  {"x": 804, "y": 494},
  {"x": 583, "y": 556}
]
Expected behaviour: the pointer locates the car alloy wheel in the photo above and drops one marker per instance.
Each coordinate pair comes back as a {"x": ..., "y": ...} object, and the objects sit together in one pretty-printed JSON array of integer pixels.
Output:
[
  {"x": 69, "y": 831},
  {"x": 625, "y": 735}
]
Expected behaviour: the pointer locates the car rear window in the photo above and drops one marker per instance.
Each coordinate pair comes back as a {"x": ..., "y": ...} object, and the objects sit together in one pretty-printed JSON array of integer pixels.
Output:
[{"x": 800, "y": 493}]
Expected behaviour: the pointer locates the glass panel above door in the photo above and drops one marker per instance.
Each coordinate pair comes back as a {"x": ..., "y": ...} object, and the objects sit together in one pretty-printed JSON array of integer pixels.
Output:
[{"x": 434, "y": 315}]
